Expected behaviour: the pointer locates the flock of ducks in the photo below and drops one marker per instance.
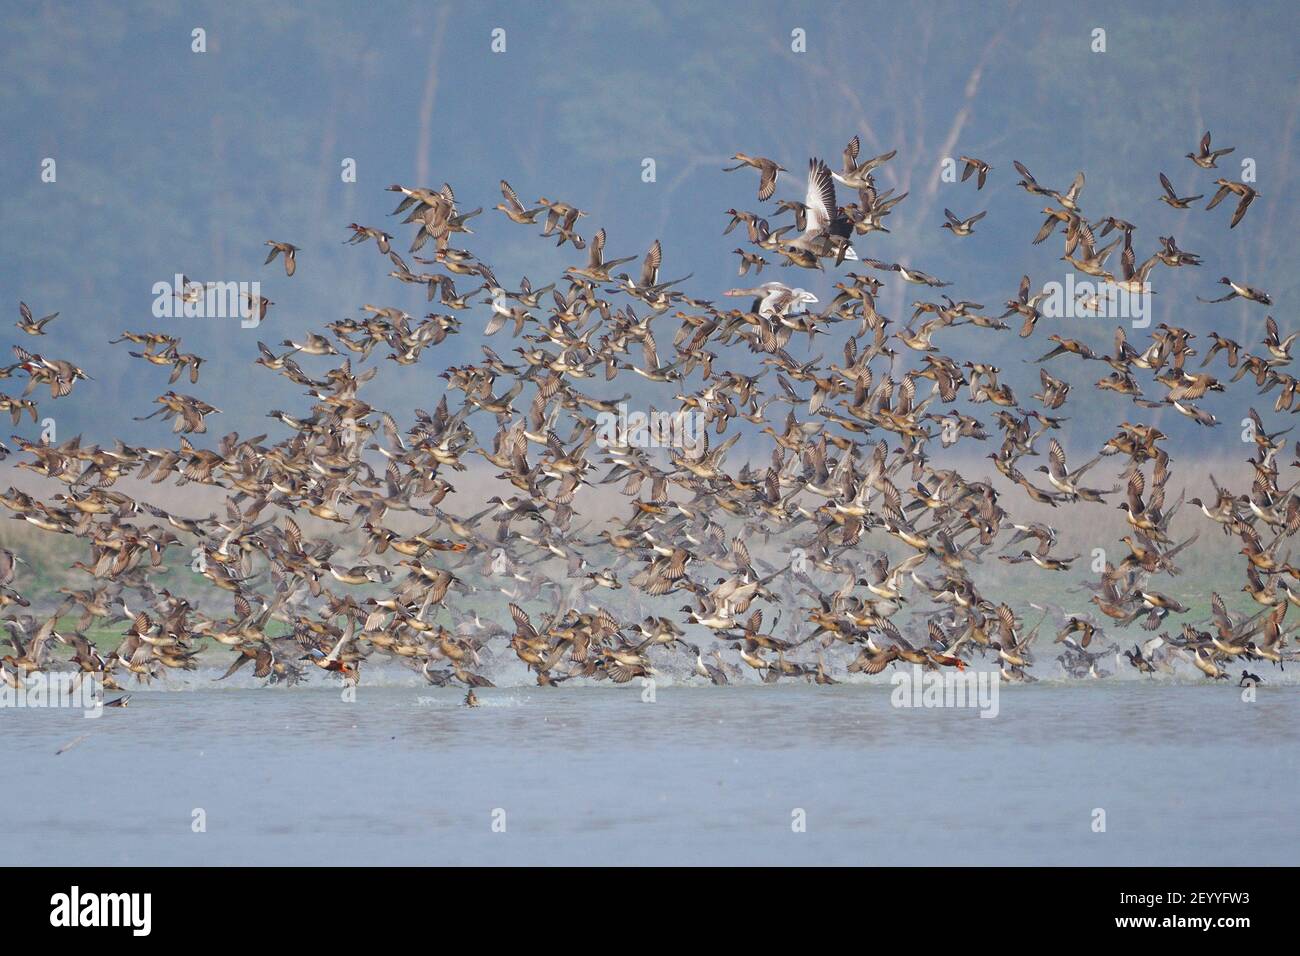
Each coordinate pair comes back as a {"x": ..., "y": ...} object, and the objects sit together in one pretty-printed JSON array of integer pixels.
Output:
[{"x": 847, "y": 521}]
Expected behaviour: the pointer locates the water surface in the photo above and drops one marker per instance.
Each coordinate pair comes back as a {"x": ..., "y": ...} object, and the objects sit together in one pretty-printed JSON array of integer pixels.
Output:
[{"x": 1186, "y": 774}]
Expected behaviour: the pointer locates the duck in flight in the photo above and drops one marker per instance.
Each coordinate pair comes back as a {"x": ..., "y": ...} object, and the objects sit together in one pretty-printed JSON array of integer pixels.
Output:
[{"x": 767, "y": 172}]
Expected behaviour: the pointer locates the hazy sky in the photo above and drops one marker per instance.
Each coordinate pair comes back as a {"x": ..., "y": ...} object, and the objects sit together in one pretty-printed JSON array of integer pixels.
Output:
[{"x": 170, "y": 160}]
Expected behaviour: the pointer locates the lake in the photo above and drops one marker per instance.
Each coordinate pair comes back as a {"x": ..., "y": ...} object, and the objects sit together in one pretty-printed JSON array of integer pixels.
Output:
[{"x": 1186, "y": 773}]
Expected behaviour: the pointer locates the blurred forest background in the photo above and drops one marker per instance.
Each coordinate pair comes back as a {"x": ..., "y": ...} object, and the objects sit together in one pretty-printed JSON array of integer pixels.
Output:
[{"x": 174, "y": 161}]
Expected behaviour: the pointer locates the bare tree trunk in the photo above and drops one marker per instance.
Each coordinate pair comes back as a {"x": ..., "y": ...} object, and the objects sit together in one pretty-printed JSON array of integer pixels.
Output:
[{"x": 430, "y": 97}]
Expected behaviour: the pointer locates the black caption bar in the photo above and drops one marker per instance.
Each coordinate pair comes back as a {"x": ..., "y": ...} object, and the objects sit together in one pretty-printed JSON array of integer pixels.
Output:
[{"x": 139, "y": 906}]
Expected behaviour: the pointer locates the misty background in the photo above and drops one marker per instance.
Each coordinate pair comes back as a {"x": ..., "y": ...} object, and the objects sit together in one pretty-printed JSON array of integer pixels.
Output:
[{"x": 174, "y": 161}]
